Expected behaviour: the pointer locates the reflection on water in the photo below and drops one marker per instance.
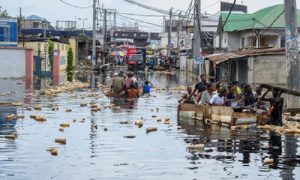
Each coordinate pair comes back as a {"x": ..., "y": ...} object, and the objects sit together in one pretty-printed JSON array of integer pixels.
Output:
[{"x": 96, "y": 147}]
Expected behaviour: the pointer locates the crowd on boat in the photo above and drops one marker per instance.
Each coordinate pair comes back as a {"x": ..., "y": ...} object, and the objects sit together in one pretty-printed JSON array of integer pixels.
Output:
[
  {"x": 127, "y": 85},
  {"x": 236, "y": 95}
]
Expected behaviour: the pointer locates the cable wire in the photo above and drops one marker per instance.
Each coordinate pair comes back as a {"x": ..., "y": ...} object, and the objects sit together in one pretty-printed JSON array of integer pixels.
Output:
[{"x": 75, "y": 6}]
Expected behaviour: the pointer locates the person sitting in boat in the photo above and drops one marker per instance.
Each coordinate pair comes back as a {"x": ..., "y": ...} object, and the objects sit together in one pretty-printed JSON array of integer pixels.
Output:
[
  {"x": 219, "y": 98},
  {"x": 207, "y": 94},
  {"x": 147, "y": 87},
  {"x": 258, "y": 95},
  {"x": 188, "y": 97},
  {"x": 130, "y": 80},
  {"x": 200, "y": 87},
  {"x": 248, "y": 98},
  {"x": 117, "y": 84},
  {"x": 132, "y": 92},
  {"x": 231, "y": 96},
  {"x": 276, "y": 106}
]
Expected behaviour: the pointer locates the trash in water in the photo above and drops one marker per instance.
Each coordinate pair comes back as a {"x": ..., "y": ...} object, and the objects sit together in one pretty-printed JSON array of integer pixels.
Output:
[
  {"x": 139, "y": 122},
  {"x": 268, "y": 161},
  {"x": 129, "y": 136},
  {"x": 151, "y": 129},
  {"x": 65, "y": 124},
  {"x": 196, "y": 147},
  {"x": 68, "y": 110},
  {"x": 10, "y": 117},
  {"x": 61, "y": 140},
  {"x": 11, "y": 136}
]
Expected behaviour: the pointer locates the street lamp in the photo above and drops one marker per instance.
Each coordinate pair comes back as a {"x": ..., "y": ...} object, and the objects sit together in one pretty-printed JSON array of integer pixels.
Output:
[{"x": 81, "y": 19}]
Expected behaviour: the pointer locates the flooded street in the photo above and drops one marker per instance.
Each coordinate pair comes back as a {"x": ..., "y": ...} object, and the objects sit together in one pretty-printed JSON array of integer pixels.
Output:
[{"x": 97, "y": 147}]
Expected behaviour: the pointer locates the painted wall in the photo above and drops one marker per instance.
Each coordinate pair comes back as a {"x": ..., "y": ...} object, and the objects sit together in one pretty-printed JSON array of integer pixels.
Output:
[{"x": 12, "y": 63}]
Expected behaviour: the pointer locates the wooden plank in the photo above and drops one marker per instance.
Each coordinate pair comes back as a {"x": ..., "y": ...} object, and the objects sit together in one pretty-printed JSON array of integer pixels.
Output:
[
  {"x": 222, "y": 110},
  {"x": 189, "y": 107},
  {"x": 283, "y": 90}
]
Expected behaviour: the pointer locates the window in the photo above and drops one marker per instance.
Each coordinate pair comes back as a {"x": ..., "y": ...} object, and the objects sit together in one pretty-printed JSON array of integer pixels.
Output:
[
  {"x": 243, "y": 43},
  {"x": 58, "y": 46},
  {"x": 62, "y": 60},
  {"x": 35, "y": 25}
]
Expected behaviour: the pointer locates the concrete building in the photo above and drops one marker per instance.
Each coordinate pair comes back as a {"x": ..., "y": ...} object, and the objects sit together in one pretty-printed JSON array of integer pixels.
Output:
[
  {"x": 35, "y": 22},
  {"x": 262, "y": 29},
  {"x": 254, "y": 67},
  {"x": 40, "y": 48}
]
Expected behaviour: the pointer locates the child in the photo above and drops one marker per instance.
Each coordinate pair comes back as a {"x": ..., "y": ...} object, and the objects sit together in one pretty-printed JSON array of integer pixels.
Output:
[
  {"x": 132, "y": 92},
  {"x": 147, "y": 87},
  {"x": 218, "y": 99},
  {"x": 231, "y": 96},
  {"x": 188, "y": 97}
]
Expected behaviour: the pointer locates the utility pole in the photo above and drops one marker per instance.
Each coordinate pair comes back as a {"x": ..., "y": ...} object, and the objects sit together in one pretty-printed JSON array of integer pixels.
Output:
[
  {"x": 292, "y": 54},
  {"x": 170, "y": 33},
  {"x": 197, "y": 34},
  {"x": 178, "y": 30},
  {"x": 104, "y": 34},
  {"x": 94, "y": 58}
]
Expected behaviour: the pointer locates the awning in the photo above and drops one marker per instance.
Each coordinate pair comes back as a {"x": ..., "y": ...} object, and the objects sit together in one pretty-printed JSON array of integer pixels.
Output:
[{"x": 221, "y": 57}]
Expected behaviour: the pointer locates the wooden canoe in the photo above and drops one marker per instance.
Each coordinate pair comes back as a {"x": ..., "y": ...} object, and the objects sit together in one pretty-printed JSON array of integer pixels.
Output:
[{"x": 283, "y": 90}]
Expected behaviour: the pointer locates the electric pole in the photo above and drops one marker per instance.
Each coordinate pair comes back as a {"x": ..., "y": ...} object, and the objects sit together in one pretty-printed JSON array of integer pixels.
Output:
[
  {"x": 178, "y": 30},
  {"x": 170, "y": 33},
  {"x": 292, "y": 54},
  {"x": 197, "y": 34},
  {"x": 104, "y": 34},
  {"x": 94, "y": 34}
]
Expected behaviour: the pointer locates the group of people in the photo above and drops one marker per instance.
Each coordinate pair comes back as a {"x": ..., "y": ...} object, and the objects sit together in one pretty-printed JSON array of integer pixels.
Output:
[
  {"x": 128, "y": 86},
  {"x": 235, "y": 95}
]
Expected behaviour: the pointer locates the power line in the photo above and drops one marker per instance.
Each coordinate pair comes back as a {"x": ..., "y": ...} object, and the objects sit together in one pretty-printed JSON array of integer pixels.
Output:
[
  {"x": 147, "y": 7},
  {"x": 75, "y": 6},
  {"x": 229, "y": 14},
  {"x": 138, "y": 20},
  {"x": 147, "y": 15}
]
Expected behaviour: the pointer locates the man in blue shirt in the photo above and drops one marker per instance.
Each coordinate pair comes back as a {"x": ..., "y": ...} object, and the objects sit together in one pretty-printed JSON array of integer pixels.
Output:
[{"x": 147, "y": 87}]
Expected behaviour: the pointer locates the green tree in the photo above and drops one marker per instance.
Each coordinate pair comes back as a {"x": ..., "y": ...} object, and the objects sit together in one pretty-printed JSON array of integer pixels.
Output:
[
  {"x": 70, "y": 68},
  {"x": 3, "y": 13},
  {"x": 50, "y": 45}
]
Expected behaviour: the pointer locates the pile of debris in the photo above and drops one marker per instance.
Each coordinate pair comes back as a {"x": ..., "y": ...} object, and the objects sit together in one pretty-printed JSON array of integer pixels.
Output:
[{"x": 64, "y": 88}]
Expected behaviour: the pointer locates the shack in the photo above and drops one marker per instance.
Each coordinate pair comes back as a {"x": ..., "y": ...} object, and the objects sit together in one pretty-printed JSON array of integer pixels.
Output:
[{"x": 253, "y": 67}]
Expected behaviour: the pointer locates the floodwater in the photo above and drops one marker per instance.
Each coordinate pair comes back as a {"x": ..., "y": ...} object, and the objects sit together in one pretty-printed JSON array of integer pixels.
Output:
[{"x": 96, "y": 147}]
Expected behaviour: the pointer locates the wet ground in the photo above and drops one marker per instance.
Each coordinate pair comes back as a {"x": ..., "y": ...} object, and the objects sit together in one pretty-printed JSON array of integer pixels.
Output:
[{"x": 96, "y": 147}]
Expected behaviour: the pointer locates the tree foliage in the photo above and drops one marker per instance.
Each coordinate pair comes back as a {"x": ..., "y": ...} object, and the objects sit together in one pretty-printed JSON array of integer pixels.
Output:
[
  {"x": 70, "y": 68},
  {"x": 3, "y": 13},
  {"x": 50, "y": 45}
]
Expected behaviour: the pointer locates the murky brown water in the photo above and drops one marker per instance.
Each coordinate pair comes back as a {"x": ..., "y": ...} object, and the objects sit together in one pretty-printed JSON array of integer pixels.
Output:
[{"x": 96, "y": 147}]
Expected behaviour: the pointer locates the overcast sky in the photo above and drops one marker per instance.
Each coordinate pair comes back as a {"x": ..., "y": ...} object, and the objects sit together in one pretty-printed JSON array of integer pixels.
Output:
[{"x": 54, "y": 10}]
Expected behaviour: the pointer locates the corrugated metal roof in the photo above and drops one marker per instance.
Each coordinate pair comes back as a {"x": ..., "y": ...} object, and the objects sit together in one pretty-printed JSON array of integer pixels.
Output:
[
  {"x": 218, "y": 58},
  {"x": 261, "y": 19}
]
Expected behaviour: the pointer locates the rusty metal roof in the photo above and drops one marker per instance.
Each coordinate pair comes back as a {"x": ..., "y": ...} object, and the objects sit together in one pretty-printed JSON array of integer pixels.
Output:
[{"x": 218, "y": 58}]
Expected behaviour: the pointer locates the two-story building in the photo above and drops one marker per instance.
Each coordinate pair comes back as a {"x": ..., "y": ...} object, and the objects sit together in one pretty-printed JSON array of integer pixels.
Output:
[{"x": 262, "y": 29}]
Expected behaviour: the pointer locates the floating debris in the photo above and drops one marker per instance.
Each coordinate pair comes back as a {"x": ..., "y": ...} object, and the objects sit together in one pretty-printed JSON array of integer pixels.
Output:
[
  {"x": 151, "y": 129},
  {"x": 53, "y": 151},
  {"x": 20, "y": 117},
  {"x": 83, "y": 104},
  {"x": 65, "y": 124},
  {"x": 11, "y": 136},
  {"x": 65, "y": 88},
  {"x": 139, "y": 122},
  {"x": 124, "y": 122},
  {"x": 130, "y": 136},
  {"x": 37, "y": 108},
  {"x": 28, "y": 108},
  {"x": 167, "y": 121},
  {"x": 40, "y": 118},
  {"x": 268, "y": 161},
  {"x": 61, "y": 140},
  {"x": 10, "y": 117},
  {"x": 17, "y": 104},
  {"x": 61, "y": 129},
  {"x": 196, "y": 147},
  {"x": 68, "y": 110}
]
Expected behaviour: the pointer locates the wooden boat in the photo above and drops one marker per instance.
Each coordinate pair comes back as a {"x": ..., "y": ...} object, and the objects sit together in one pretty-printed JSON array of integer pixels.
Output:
[
  {"x": 223, "y": 114},
  {"x": 116, "y": 95}
]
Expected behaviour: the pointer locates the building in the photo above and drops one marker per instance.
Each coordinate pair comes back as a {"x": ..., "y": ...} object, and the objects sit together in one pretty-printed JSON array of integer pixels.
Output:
[
  {"x": 66, "y": 25},
  {"x": 40, "y": 49},
  {"x": 35, "y": 22},
  {"x": 253, "y": 66},
  {"x": 262, "y": 29}
]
